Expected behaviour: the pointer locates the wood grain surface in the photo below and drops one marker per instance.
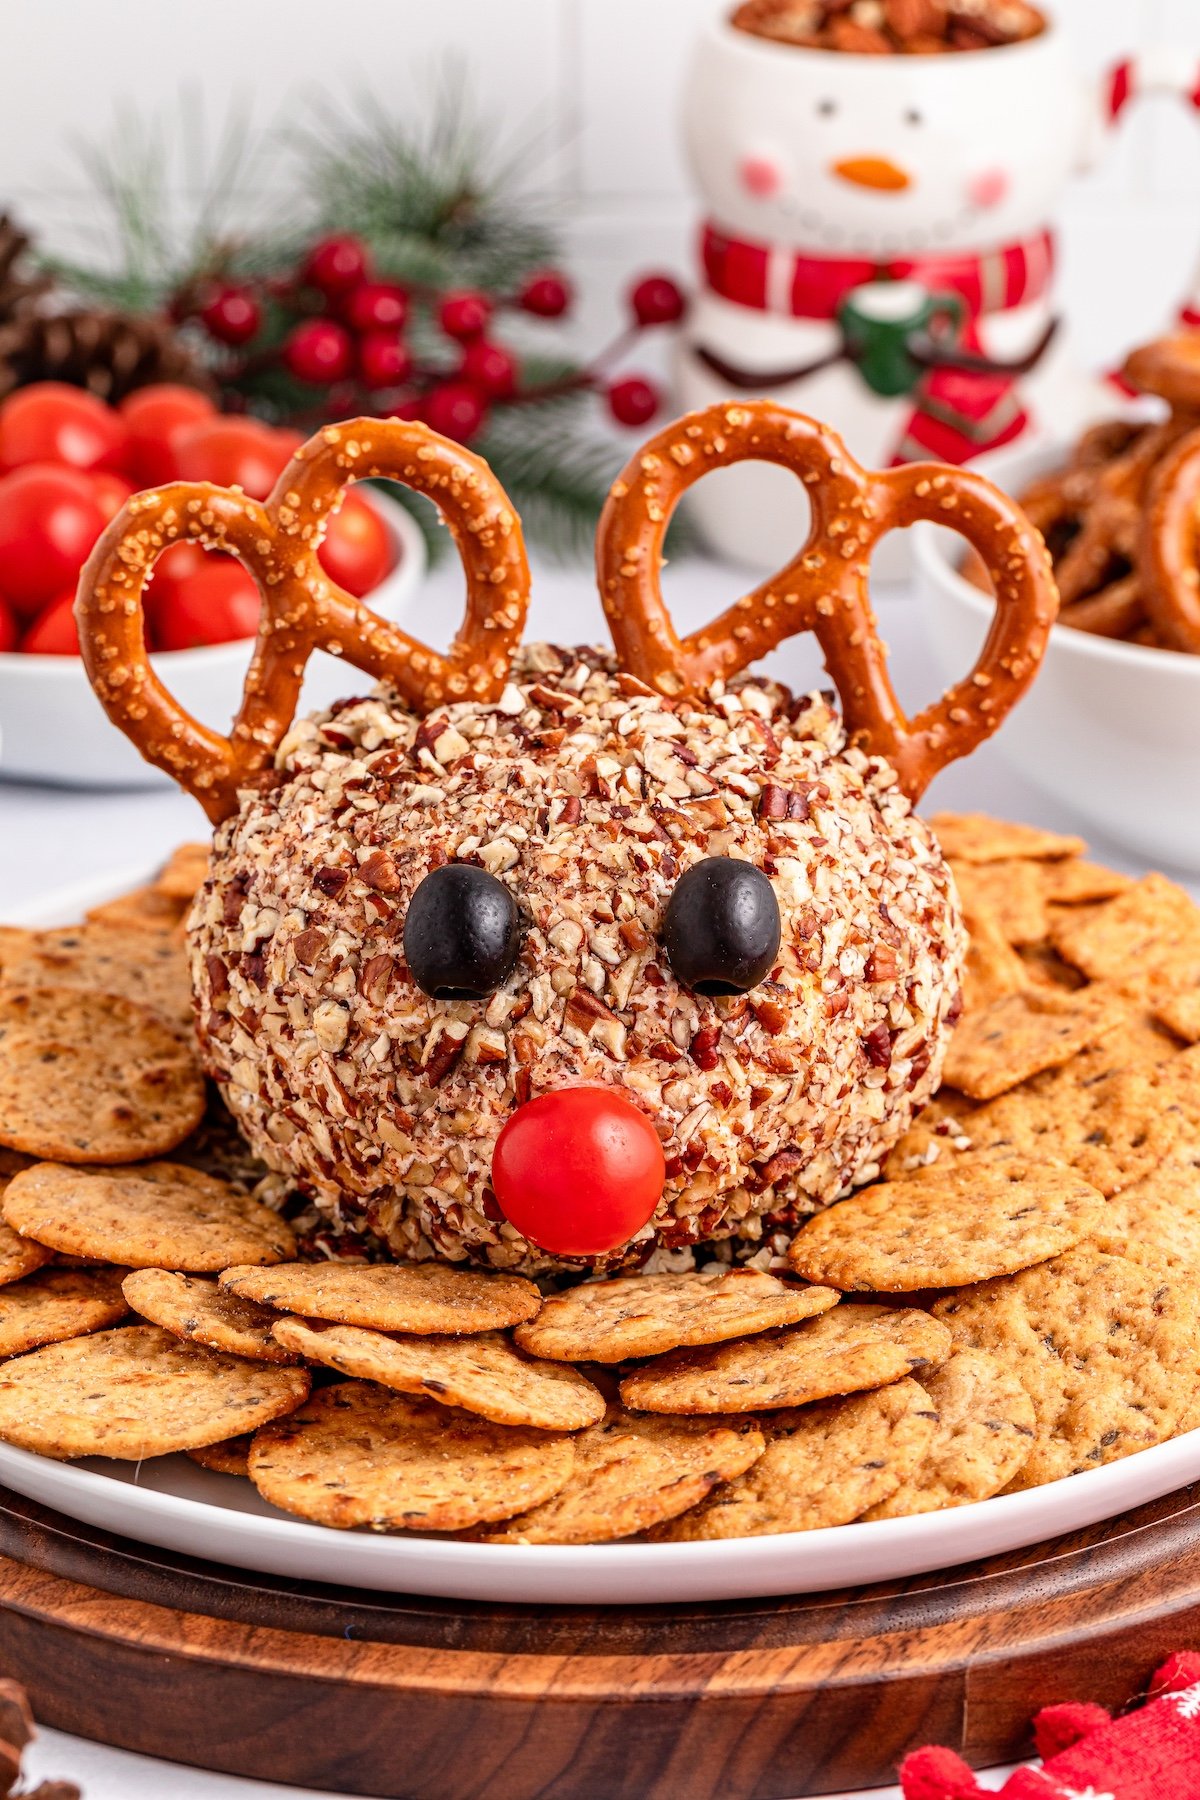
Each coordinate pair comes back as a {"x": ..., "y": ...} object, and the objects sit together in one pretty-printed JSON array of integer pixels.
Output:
[{"x": 444, "y": 1700}]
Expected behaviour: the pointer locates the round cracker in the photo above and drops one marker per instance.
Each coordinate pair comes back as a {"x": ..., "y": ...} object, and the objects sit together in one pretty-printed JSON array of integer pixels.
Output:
[
  {"x": 823, "y": 1465},
  {"x": 409, "y": 1297},
  {"x": 155, "y": 1215},
  {"x": 484, "y": 1374},
  {"x": 196, "y": 1309},
  {"x": 359, "y": 1454},
  {"x": 645, "y": 1315},
  {"x": 93, "y": 1078},
  {"x": 137, "y": 1392},
  {"x": 105, "y": 959},
  {"x": 963, "y": 1222},
  {"x": 54, "y": 1304},
  {"x": 984, "y": 1434},
  {"x": 19, "y": 1256},
  {"x": 231, "y": 1456},
  {"x": 631, "y": 1473},
  {"x": 851, "y": 1348},
  {"x": 1106, "y": 1349}
]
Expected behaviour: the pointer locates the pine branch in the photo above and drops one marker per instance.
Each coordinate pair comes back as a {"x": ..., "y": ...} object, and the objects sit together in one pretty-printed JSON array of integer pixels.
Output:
[
  {"x": 555, "y": 477},
  {"x": 434, "y": 199},
  {"x": 144, "y": 252}
]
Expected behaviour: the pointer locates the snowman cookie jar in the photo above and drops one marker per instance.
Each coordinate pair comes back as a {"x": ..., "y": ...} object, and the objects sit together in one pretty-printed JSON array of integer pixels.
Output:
[{"x": 878, "y": 245}]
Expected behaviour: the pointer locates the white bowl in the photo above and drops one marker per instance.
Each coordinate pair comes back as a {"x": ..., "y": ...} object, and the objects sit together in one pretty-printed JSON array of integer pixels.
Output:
[
  {"x": 53, "y": 729},
  {"x": 1111, "y": 730}
]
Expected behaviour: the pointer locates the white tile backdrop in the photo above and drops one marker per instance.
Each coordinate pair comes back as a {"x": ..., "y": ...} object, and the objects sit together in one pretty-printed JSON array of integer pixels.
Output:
[{"x": 598, "y": 79}]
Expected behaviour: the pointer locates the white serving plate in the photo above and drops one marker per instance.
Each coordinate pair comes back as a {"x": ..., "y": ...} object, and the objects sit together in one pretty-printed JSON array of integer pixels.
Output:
[{"x": 172, "y": 1504}]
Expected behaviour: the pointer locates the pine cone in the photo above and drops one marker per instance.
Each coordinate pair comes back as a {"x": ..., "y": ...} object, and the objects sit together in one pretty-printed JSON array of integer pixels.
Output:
[
  {"x": 109, "y": 353},
  {"x": 18, "y": 292}
]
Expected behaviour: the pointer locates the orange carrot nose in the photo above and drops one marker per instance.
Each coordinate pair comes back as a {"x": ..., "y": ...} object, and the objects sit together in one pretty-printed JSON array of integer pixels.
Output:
[{"x": 873, "y": 172}]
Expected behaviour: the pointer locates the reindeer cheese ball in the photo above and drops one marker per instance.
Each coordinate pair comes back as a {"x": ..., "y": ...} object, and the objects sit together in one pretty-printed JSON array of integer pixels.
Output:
[{"x": 543, "y": 958}]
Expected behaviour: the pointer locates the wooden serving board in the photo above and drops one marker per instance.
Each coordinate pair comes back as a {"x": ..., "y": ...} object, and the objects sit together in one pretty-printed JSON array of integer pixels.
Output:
[{"x": 361, "y": 1693}]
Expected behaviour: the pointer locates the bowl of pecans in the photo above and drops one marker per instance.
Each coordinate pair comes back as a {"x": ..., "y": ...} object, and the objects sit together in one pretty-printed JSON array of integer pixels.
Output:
[{"x": 1110, "y": 726}]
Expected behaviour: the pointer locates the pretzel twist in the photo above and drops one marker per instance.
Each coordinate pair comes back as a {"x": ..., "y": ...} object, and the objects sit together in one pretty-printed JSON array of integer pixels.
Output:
[
  {"x": 1169, "y": 547},
  {"x": 824, "y": 588},
  {"x": 302, "y": 609}
]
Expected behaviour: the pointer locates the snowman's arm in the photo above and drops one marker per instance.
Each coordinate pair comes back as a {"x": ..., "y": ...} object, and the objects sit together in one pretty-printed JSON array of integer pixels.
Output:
[
  {"x": 931, "y": 354},
  {"x": 758, "y": 381}
]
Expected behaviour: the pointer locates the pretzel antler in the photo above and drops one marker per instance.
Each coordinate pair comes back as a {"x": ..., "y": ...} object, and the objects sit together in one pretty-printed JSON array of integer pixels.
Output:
[
  {"x": 824, "y": 588},
  {"x": 302, "y": 609}
]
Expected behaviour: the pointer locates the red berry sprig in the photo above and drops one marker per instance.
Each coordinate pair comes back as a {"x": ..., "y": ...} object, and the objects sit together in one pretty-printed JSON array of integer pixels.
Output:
[{"x": 335, "y": 325}]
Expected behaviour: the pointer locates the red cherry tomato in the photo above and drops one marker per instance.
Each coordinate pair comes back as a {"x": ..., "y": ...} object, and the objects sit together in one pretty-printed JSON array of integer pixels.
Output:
[
  {"x": 8, "y": 628},
  {"x": 216, "y": 605},
  {"x": 49, "y": 520},
  {"x": 357, "y": 552},
  {"x": 111, "y": 491},
  {"x": 53, "y": 632},
  {"x": 578, "y": 1172},
  {"x": 50, "y": 421},
  {"x": 233, "y": 453},
  {"x": 152, "y": 414}
]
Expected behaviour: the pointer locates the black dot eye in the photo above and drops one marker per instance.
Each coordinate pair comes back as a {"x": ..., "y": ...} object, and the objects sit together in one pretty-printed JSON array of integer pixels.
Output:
[
  {"x": 462, "y": 934},
  {"x": 914, "y": 117},
  {"x": 827, "y": 108},
  {"x": 721, "y": 931}
]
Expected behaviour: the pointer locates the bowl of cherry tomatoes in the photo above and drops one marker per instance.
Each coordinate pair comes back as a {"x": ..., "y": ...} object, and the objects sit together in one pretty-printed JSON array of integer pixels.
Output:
[{"x": 68, "y": 462}]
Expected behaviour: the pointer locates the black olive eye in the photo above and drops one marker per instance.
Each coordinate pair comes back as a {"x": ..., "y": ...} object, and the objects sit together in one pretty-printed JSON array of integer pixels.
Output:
[
  {"x": 462, "y": 934},
  {"x": 721, "y": 930}
]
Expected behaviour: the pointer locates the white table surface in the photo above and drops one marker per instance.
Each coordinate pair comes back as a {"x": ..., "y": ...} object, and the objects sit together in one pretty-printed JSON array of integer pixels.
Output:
[{"x": 51, "y": 838}]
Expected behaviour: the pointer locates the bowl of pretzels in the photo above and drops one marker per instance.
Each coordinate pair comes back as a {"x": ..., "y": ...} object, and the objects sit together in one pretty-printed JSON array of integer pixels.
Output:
[{"x": 1111, "y": 728}]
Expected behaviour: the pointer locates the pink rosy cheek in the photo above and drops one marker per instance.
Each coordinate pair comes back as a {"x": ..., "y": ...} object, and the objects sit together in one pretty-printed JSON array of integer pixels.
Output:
[
  {"x": 988, "y": 188},
  {"x": 760, "y": 176}
]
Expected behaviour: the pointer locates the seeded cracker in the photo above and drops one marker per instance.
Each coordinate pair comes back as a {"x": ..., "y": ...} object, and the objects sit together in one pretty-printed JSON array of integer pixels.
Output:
[
  {"x": 974, "y": 838},
  {"x": 823, "y": 1465},
  {"x": 18, "y": 1256},
  {"x": 56, "y": 1304},
  {"x": 1020, "y": 1036},
  {"x": 633, "y": 1473},
  {"x": 137, "y": 1392},
  {"x": 422, "y": 1297},
  {"x": 1106, "y": 1350},
  {"x": 155, "y": 1215},
  {"x": 985, "y": 1431},
  {"x": 183, "y": 872},
  {"x": 644, "y": 1315},
  {"x": 994, "y": 969},
  {"x": 1173, "y": 996},
  {"x": 1011, "y": 893},
  {"x": 1147, "y": 924},
  {"x": 851, "y": 1348},
  {"x": 1074, "y": 882},
  {"x": 152, "y": 971},
  {"x": 358, "y": 1454},
  {"x": 92, "y": 1077},
  {"x": 957, "y": 1222},
  {"x": 1112, "y": 1124},
  {"x": 198, "y": 1310},
  {"x": 1156, "y": 1222},
  {"x": 483, "y": 1374},
  {"x": 145, "y": 909},
  {"x": 230, "y": 1457}
]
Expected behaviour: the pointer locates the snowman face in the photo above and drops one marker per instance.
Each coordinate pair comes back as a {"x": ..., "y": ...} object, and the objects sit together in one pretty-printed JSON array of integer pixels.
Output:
[{"x": 879, "y": 156}]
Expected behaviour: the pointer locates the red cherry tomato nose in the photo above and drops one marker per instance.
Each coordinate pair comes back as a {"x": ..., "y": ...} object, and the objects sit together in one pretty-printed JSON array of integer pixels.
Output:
[{"x": 578, "y": 1172}]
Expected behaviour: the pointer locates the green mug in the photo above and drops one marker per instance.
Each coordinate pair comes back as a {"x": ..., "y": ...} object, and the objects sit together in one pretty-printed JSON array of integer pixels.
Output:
[{"x": 878, "y": 322}]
